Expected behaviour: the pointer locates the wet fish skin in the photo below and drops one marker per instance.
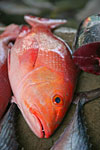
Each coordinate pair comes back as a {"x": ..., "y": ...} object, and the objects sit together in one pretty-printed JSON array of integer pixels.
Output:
[
  {"x": 38, "y": 61},
  {"x": 9, "y": 34},
  {"x": 8, "y": 139},
  {"x": 88, "y": 31},
  {"x": 74, "y": 136},
  {"x": 87, "y": 45}
]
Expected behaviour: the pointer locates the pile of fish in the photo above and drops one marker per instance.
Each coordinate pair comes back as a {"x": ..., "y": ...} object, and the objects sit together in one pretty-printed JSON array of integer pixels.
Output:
[{"x": 40, "y": 71}]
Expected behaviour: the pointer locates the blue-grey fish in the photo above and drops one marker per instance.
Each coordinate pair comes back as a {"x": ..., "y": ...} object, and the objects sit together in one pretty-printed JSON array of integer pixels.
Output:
[
  {"x": 87, "y": 45},
  {"x": 88, "y": 31},
  {"x": 74, "y": 136},
  {"x": 8, "y": 139}
]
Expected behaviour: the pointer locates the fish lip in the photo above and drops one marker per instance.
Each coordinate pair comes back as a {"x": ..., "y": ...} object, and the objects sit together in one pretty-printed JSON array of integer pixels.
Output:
[
  {"x": 42, "y": 128},
  {"x": 45, "y": 131},
  {"x": 36, "y": 126}
]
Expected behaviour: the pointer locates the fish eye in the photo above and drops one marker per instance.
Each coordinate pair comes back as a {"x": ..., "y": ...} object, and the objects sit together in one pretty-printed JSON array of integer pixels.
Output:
[{"x": 58, "y": 100}]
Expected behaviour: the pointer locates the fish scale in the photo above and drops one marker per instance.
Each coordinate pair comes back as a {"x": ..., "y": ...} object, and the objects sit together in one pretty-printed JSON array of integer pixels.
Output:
[
  {"x": 10, "y": 33},
  {"x": 7, "y": 134},
  {"x": 49, "y": 50},
  {"x": 52, "y": 61},
  {"x": 87, "y": 45}
]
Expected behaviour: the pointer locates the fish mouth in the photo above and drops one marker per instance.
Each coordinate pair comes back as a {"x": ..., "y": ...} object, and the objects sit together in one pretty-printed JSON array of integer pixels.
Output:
[
  {"x": 36, "y": 122},
  {"x": 36, "y": 125},
  {"x": 42, "y": 135},
  {"x": 44, "y": 131}
]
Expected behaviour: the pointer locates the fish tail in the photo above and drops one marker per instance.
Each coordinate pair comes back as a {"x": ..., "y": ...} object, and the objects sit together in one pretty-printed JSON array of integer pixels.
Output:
[
  {"x": 89, "y": 96},
  {"x": 7, "y": 134},
  {"x": 51, "y": 23},
  {"x": 93, "y": 94}
]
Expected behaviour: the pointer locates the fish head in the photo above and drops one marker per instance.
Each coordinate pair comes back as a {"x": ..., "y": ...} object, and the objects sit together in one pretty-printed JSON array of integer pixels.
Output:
[{"x": 46, "y": 97}]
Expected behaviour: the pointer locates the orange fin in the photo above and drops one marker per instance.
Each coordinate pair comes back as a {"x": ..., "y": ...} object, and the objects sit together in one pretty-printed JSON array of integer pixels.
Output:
[{"x": 51, "y": 23}]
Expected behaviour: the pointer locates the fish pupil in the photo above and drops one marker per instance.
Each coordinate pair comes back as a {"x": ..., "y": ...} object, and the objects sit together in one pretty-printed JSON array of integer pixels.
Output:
[{"x": 57, "y": 100}]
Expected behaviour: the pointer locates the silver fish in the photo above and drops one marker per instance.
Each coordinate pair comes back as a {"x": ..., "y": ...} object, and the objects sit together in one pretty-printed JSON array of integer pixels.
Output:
[
  {"x": 75, "y": 136},
  {"x": 8, "y": 139},
  {"x": 87, "y": 45},
  {"x": 88, "y": 31}
]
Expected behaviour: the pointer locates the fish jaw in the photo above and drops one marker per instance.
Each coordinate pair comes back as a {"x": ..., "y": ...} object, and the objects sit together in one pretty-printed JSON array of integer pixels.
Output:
[{"x": 33, "y": 122}]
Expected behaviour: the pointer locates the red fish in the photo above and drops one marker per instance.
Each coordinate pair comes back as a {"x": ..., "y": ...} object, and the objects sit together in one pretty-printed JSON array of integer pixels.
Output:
[
  {"x": 10, "y": 33},
  {"x": 42, "y": 75}
]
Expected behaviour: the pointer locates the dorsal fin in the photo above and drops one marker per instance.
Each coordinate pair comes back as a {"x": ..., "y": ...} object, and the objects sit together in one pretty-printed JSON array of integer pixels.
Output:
[{"x": 51, "y": 23}]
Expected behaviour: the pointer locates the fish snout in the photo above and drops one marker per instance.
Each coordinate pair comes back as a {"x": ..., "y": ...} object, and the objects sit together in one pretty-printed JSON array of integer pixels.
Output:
[
  {"x": 45, "y": 128},
  {"x": 47, "y": 121},
  {"x": 43, "y": 122}
]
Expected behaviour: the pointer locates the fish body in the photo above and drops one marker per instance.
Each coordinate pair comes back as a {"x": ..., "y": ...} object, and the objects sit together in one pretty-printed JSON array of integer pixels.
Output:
[
  {"x": 75, "y": 136},
  {"x": 8, "y": 140},
  {"x": 87, "y": 45},
  {"x": 88, "y": 31},
  {"x": 42, "y": 75},
  {"x": 5, "y": 89}
]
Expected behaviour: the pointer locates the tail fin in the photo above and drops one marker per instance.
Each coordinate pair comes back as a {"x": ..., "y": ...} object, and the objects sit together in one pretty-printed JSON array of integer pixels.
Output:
[
  {"x": 89, "y": 96},
  {"x": 51, "y": 23}
]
